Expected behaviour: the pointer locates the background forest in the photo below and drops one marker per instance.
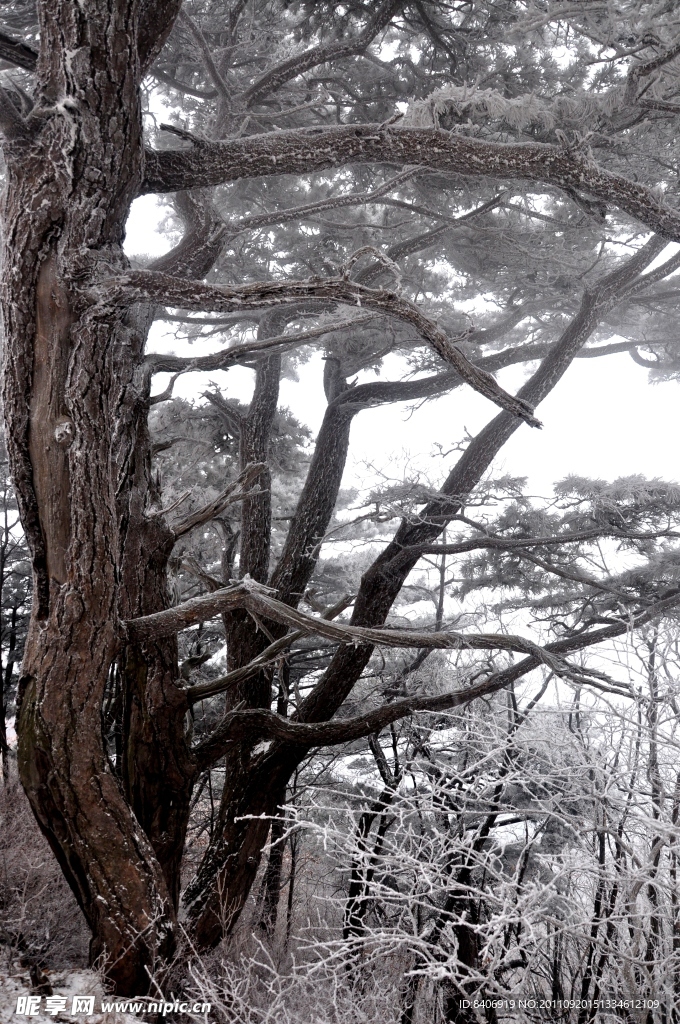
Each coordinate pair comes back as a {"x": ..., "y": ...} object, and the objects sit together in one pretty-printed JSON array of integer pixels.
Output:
[{"x": 485, "y": 803}]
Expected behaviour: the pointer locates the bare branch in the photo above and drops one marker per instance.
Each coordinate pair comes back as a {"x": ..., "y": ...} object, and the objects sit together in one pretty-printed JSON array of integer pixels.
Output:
[
  {"x": 216, "y": 77},
  {"x": 332, "y": 203},
  {"x": 201, "y": 94},
  {"x": 234, "y": 492},
  {"x": 160, "y": 363},
  {"x": 266, "y": 724},
  {"x": 17, "y": 53},
  {"x": 145, "y": 286},
  {"x": 258, "y": 601},
  {"x": 164, "y": 396},
  {"x": 239, "y": 675},
  {"x": 639, "y": 71},
  {"x": 297, "y": 65}
]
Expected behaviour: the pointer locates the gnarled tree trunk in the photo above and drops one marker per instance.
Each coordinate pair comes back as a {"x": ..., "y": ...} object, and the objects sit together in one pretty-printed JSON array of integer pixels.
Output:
[{"x": 74, "y": 167}]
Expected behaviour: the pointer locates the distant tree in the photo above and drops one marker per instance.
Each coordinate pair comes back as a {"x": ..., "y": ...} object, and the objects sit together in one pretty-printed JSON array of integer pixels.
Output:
[{"x": 350, "y": 177}]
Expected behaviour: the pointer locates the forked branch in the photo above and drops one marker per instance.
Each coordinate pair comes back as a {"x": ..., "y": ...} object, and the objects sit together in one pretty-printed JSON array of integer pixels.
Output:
[{"x": 266, "y": 725}]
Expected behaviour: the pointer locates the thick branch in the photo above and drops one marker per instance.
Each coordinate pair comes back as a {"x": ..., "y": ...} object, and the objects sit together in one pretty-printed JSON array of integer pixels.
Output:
[
  {"x": 266, "y": 724},
  {"x": 301, "y": 151},
  {"x": 156, "y": 18},
  {"x": 385, "y": 578},
  {"x": 201, "y": 243},
  {"x": 145, "y": 286},
  {"x": 259, "y": 602}
]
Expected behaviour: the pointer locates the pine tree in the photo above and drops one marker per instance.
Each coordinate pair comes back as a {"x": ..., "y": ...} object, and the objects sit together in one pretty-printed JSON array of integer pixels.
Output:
[{"x": 351, "y": 178}]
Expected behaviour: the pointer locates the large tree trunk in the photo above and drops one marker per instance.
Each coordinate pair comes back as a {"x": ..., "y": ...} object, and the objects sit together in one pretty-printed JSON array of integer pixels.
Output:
[{"x": 73, "y": 170}]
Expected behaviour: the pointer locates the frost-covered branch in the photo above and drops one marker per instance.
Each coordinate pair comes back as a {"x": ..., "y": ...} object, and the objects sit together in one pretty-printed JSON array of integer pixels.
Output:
[
  {"x": 159, "y": 362},
  {"x": 145, "y": 286},
  {"x": 289, "y": 69},
  {"x": 17, "y": 53},
  {"x": 302, "y": 151}
]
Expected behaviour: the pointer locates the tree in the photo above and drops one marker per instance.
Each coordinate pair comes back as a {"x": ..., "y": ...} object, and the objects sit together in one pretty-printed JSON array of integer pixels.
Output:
[{"x": 543, "y": 180}]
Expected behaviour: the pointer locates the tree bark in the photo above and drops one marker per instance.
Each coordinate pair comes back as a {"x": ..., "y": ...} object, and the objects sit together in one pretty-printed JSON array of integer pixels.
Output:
[{"x": 73, "y": 170}]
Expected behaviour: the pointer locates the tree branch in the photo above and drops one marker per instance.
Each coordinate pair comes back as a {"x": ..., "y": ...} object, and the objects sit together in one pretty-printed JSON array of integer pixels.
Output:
[
  {"x": 159, "y": 362},
  {"x": 333, "y": 203},
  {"x": 17, "y": 53},
  {"x": 234, "y": 492},
  {"x": 265, "y": 724},
  {"x": 147, "y": 286},
  {"x": 289, "y": 69},
  {"x": 258, "y": 601},
  {"x": 239, "y": 675},
  {"x": 301, "y": 151},
  {"x": 198, "y": 36},
  {"x": 156, "y": 18},
  {"x": 384, "y": 579},
  {"x": 174, "y": 83},
  {"x": 642, "y": 70},
  {"x": 513, "y": 543}
]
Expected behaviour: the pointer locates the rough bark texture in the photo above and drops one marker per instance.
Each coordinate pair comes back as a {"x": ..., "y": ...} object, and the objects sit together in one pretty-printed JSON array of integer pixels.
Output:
[
  {"x": 73, "y": 171},
  {"x": 304, "y": 150}
]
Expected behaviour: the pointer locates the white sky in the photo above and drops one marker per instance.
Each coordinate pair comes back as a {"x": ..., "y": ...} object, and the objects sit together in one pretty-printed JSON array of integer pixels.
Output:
[{"x": 602, "y": 420}]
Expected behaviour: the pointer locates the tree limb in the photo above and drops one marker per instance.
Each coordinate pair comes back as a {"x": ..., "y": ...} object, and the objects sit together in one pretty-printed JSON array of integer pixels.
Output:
[
  {"x": 277, "y": 76},
  {"x": 265, "y": 724},
  {"x": 333, "y": 203},
  {"x": 258, "y": 601},
  {"x": 218, "y": 81},
  {"x": 383, "y": 580},
  {"x": 646, "y": 68},
  {"x": 17, "y": 53},
  {"x": 156, "y": 18},
  {"x": 159, "y": 362},
  {"x": 272, "y": 653},
  {"x": 301, "y": 151},
  {"x": 234, "y": 492},
  {"x": 145, "y": 286},
  {"x": 174, "y": 83},
  {"x": 513, "y": 543}
]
